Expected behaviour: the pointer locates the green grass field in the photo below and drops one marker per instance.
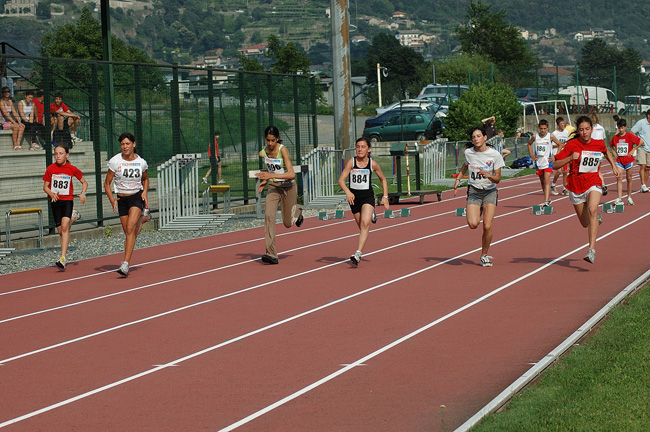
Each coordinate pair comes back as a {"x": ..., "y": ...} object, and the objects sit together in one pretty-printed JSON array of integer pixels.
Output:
[{"x": 601, "y": 385}]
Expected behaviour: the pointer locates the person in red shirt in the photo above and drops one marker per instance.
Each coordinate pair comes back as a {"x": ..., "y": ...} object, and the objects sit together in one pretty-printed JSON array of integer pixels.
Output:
[
  {"x": 217, "y": 158},
  {"x": 623, "y": 145},
  {"x": 60, "y": 112},
  {"x": 584, "y": 154},
  {"x": 58, "y": 187}
]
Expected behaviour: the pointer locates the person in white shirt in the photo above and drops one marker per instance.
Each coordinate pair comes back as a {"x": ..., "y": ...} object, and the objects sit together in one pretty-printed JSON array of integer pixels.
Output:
[
  {"x": 598, "y": 133},
  {"x": 562, "y": 134},
  {"x": 128, "y": 173},
  {"x": 484, "y": 164},
  {"x": 542, "y": 154},
  {"x": 642, "y": 130}
]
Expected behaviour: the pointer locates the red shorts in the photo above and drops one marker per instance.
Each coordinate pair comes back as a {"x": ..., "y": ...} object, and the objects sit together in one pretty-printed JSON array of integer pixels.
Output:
[{"x": 540, "y": 172}]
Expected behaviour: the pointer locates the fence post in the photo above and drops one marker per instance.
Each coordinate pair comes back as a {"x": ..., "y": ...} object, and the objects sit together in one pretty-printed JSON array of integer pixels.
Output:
[
  {"x": 269, "y": 79},
  {"x": 97, "y": 147},
  {"x": 138, "y": 132},
  {"x": 242, "y": 122},
  {"x": 296, "y": 119},
  {"x": 314, "y": 124},
  {"x": 176, "y": 114},
  {"x": 211, "y": 127}
]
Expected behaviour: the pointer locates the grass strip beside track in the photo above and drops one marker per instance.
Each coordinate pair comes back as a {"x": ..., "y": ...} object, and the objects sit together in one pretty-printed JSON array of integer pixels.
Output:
[{"x": 602, "y": 384}]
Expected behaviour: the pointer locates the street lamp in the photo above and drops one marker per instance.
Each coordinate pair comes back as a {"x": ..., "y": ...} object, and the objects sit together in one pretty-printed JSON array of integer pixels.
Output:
[{"x": 380, "y": 71}]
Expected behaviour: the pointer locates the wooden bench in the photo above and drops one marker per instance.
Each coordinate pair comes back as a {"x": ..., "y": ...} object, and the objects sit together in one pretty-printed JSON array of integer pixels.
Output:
[{"x": 393, "y": 197}]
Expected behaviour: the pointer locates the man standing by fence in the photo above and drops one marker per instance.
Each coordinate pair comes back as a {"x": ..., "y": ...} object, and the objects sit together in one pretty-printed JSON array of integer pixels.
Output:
[{"x": 642, "y": 130}]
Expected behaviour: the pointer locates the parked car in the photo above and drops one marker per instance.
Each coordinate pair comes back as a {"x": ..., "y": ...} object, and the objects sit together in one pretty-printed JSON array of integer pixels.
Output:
[
  {"x": 381, "y": 118},
  {"x": 532, "y": 94},
  {"x": 440, "y": 99},
  {"x": 407, "y": 103},
  {"x": 453, "y": 89},
  {"x": 407, "y": 125}
]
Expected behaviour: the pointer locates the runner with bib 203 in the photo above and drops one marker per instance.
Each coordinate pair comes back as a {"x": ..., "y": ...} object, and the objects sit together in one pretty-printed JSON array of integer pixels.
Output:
[{"x": 584, "y": 155}]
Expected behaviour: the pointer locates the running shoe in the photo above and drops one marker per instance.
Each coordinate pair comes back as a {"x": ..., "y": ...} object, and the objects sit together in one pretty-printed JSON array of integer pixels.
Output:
[
  {"x": 553, "y": 190},
  {"x": 76, "y": 138},
  {"x": 300, "y": 220},
  {"x": 205, "y": 180},
  {"x": 124, "y": 269},
  {"x": 222, "y": 181},
  {"x": 644, "y": 188},
  {"x": 591, "y": 256},
  {"x": 76, "y": 215},
  {"x": 374, "y": 217},
  {"x": 269, "y": 259},
  {"x": 600, "y": 219},
  {"x": 618, "y": 201},
  {"x": 546, "y": 204},
  {"x": 604, "y": 189},
  {"x": 356, "y": 258},
  {"x": 61, "y": 263},
  {"x": 485, "y": 261},
  {"x": 629, "y": 201},
  {"x": 565, "y": 192}
]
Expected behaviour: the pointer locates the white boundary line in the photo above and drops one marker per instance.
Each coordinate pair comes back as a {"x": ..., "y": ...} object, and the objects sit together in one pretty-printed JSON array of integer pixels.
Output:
[
  {"x": 551, "y": 357},
  {"x": 80, "y": 302},
  {"x": 406, "y": 337},
  {"x": 295, "y": 317}
]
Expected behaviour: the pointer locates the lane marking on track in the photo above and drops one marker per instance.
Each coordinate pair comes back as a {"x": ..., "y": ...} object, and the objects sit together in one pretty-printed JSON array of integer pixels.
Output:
[
  {"x": 295, "y": 317},
  {"x": 422, "y": 329},
  {"x": 107, "y": 272},
  {"x": 265, "y": 328},
  {"x": 138, "y": 288}
]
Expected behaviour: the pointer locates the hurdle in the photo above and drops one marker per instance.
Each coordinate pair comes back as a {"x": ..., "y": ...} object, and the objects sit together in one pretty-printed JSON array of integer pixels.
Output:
[
  {"x": 391, "y": 214},
  {"x": 9, "y": 213},
  {"x": 613, "y": 208},
  {"x": 338, "y": 214},
  {"x": 540, "y": 210}
]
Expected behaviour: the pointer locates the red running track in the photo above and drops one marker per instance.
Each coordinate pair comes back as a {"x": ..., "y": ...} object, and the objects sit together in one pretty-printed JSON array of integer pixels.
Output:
[{"x": 203, "y": 336}]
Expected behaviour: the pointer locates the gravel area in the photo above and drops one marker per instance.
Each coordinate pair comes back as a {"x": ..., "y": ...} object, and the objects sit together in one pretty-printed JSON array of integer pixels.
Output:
[{"x": 88, "y": 248}]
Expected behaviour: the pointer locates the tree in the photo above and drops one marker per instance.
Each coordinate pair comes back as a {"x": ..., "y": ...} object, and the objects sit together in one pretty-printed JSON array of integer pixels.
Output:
[
  {"x": 288, "y": 58},
  {"x": 43, "y": 10},
  {"x": 406, "y": 68},
  {"x": 83, "y": 40},
  {"x": 456, "y": 69},
  {"x": 479, "y": 102},
  {"x": 597, "y": 68},
  {"x": 489, "y": 34}
]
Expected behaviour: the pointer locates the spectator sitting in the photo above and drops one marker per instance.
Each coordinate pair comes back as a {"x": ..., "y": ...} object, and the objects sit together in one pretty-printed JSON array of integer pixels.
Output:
[
  {"x": 60, "y": 112},
  {"x": 502, "y": 144},
  {"x": 28, "y": 114},
  {"x": 11, "y": 119}
]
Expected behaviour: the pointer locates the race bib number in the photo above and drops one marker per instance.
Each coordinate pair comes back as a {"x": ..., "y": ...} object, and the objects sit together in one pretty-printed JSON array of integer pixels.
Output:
[
  {"x": 622, "y": 149},
  {"x": 360, "y": 179},
  {"x": 475, "y": 174},
  {"x": 61, "y": 184},
  {"x": 541, "y": 150},
  {"x": 131, "y": 173},
  {"x": 589, "y": 161},
  {"x": 274, "y": 166}
]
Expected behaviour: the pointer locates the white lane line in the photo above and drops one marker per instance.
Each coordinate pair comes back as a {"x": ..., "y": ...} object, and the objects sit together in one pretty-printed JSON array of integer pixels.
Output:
[
  {"x": 262, "y": 329},
  {"x": 408, "y": 336},
  {"x": 65, "y": 281},
  {"x": 80, "y": 302}
]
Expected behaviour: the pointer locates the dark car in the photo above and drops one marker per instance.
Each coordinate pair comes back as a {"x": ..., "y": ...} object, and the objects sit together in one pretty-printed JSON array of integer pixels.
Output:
[
  {"x": 381, "y": 118},
  {"x": 532, "y": 94},
  {"x": 408, "y": 125}
]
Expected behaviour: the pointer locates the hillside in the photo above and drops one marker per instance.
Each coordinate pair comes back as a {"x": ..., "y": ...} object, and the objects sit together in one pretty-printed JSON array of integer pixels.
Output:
[{"x": 184, "y": 30}]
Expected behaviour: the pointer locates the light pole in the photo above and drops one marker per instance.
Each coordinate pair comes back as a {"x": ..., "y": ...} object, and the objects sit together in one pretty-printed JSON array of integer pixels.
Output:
[{"x": 380, "y": 71}]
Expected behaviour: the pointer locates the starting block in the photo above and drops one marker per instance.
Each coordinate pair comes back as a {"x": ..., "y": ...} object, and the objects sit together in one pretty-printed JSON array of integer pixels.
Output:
[
  {"x": 613, "y": 208},
  {"x": 390, "y": 214},
  {"x": 338, "y": 214},
  {"x": 461, "y": 211},
  {"x": 540, "y": 210}
]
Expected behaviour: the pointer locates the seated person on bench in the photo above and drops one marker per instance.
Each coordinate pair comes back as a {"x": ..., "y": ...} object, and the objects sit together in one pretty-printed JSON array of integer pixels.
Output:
[{"x": 60, "y": 114}]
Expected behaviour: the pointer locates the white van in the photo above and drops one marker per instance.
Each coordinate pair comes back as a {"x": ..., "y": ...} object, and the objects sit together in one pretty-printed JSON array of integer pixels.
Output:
[{"x": 600, "y": 97}]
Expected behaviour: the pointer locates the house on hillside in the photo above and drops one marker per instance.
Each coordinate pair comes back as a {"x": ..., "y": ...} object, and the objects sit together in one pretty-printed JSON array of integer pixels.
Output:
[
  {"x": 255, "y": 50},
  {"x": 18, "y": 8},
  {"x": 564, "y": 76}
]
